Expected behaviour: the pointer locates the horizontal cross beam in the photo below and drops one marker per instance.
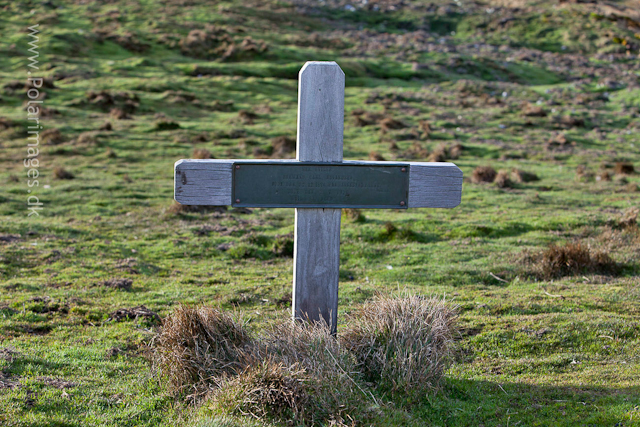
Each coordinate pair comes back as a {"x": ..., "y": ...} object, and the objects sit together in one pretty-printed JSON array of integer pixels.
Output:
[{"x": 211, "y": 182}]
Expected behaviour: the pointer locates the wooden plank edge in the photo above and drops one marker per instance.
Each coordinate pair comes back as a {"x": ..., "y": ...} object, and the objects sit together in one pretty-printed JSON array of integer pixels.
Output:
[
  {"x": 422, "y": 195},
  {"x": 184, "y": 166}
]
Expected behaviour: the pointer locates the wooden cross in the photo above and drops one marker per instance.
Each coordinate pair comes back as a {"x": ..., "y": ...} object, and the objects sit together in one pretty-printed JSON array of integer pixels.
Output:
[{"x": 318, "y": 184}]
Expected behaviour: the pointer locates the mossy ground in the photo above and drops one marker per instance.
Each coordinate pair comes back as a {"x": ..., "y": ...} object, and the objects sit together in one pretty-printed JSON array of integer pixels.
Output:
[{"x": 532, "y": 352}]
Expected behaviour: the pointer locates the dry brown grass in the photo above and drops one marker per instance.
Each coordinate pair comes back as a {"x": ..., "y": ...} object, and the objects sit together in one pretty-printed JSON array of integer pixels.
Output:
[
  {"x": 196, "y": 346},
  {"x": 403, "y": 344},
  {"x": 502, "y": 180},
  {"x": 333, "y": 380},
  {"x": 298, "y": 373},
  {"x": 530, "y": 110},
  {"x": 632, "y": 187},
  {"x": 124, "y": 284},
  {"x": 247, "y": 117},
  {"x": 201, "y": 153},
  {"x": 282, "y": 146},
  {"x": 52, "y": 137},
  {"x": 86, "y": 138},
  {"x": 455, "y": 151},
  {"x": 483, "y": 174},
  {"x": 439, "y": 154},
  {"x": 389, "y": 123},
  {"x": 520, "y": 176},
  {"x": 265, "y": 390},
  {"x": 376, "y": 157},
  {"x": 571, "y": 259},
  {"x": 624, "y": 168},
  {"x": 62, "y": 173},
  {"x": 354, "y": 215},
  {"x": 629, "y": 219}
]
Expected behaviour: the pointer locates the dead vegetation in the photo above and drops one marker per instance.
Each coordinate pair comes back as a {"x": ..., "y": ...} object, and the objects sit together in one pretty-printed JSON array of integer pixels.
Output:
[
  {"x": 62, "y": 173},
  {"x": 127, "y": 102},
  {"x": 135, "y": 313},
  {"x": 624, "y": 168},
  {"x": 629, "y": 219},
  {"x": 376, "y": 157},
  {"x": 123, "y": 284},
  {"x": 530, "y": 110},
  {"x": 439, "y": 154},
  {"x": 559, "y": 143},
  {"x": 570, "y": 259},
  {"x": 502, "y": 180},
  {"x": 247, "y": 117},
  {"x": 354, "y": 215},
  {"x": 266, "y": 390},
  {"x": 215, "y": 42},
  {"x": 389, "y": 123},
  {"x": 520, "y": 176},
  {"x": 52, "y": 137},
  {"x": 282, "y": 147},
  {"x": 294, "y": 371},
  {"x": 196, "y": 346},
  {"x": 483, "y": 174},
  {"x": 201, "y": 153},
  {"x": 403, "y": 343}
]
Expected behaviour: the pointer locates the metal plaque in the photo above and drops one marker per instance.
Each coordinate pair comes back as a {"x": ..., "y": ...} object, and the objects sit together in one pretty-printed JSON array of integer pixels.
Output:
[{"x": 320, "y": 185}]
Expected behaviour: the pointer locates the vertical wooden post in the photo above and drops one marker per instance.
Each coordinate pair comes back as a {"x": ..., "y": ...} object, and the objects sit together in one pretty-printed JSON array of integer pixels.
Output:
[{"x": 316, "y": 258}]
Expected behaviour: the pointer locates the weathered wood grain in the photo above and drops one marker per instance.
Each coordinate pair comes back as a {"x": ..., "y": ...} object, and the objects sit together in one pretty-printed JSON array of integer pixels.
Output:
[
  {"x": 203, "y": 182},
  {"x": 320, "y": 112},
  {"x": 316, "y": 260},
  {"x": 434, "y": 185},
  {"x": 208, "y": 182}
]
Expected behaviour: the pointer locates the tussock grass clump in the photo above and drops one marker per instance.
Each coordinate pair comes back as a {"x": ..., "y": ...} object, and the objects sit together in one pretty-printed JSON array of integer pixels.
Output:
[
  {"x": 198, "y": 344},
  {"x": 376, "y": 157},
  {"x": 404, "y": 343},
  {"x": 62, "y": 173},
  {"x": 455, "y": 151},
  {"x": 281, "y": 146},
  {"x": 354, "y": 214},
  {"x": 201, "y": 153},
  {"x": 439, "y": 154},
  {"x": 332, "y": 379},
  {"x": 571, "y": 259},
  {"x": 520, "y": 176},
  {"x": 624, "y": 168},
  {"x": 124, "y": 284},
  {"x": 86, "y": 138},
  {"x": 391, "y": 232},
  {"x": 502, "y": 180},
  {"x": 483, "y": 174},
  {"x": 299, "y": 373},
  {"x": 389, "y": 123},
  {"x": 266, "y": 390},
  {"x": 247, "y": 117},
  {"x": 52, "y": 137},
  {"x": 629, "y": 219}
]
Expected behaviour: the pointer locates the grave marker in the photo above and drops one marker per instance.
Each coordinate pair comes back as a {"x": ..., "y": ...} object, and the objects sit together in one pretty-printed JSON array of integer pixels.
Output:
[{"x": 318, "y": 184}]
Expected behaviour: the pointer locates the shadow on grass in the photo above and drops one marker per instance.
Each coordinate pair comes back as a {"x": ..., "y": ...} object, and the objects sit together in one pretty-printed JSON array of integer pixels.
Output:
[{"x": 473, "y": 403}]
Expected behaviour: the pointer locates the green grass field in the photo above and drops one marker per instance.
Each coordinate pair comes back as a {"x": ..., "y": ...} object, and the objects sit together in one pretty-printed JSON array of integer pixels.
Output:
[{"x": 549, "y": 88}]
